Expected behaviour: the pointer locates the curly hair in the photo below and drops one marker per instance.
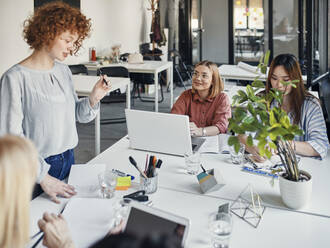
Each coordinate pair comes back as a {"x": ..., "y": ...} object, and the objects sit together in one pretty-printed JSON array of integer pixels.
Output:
[{"x": 51, "y": 20}]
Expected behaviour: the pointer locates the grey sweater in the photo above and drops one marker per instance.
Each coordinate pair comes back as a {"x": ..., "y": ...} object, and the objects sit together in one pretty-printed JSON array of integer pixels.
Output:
[{"x": 43, "y": 106}]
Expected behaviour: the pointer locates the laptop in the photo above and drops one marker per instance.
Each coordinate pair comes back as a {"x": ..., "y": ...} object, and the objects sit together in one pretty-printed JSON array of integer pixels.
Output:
[
  {"x": 143, "y": 220},
  {"x": 160, "y": 132}
]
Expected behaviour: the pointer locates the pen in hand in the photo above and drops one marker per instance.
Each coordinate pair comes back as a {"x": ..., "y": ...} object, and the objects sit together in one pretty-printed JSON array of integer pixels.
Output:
[{"x": 105, "y": 81}]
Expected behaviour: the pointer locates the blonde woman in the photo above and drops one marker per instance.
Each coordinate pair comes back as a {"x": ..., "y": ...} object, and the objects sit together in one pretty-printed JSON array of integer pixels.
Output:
[
  {"x": 18, "y": 171},
  {"x": 207, "y": 106}
]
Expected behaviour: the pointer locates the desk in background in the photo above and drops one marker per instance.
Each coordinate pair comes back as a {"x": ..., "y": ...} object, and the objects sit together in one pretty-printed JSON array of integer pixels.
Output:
[
  {"x": 180, "y": 194},
  {"x": 84, "y": 84},
  {"x": 237, "y": 73},
  {"x": 153, "y": 67}
]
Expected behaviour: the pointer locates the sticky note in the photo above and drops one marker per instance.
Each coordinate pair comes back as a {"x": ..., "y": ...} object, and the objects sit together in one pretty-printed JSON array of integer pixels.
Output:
[{"x": 123, "y": 183}]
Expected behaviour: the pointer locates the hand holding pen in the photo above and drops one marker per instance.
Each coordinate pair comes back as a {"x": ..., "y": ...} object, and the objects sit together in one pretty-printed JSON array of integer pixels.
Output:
[{"x": 101, "y": 89}]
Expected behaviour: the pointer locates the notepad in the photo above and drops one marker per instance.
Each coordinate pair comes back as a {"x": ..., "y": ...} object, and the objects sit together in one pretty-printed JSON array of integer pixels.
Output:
[
  {"x": 215, "y": 144},
  {"x": 123, "y": 183}
]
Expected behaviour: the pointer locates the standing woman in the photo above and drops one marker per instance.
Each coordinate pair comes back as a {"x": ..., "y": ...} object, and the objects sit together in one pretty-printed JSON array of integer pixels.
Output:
[
  {"x": 206, "y": 105},
  {"x": 302, "y": 107},
  {"x": 37, "y": 98}
]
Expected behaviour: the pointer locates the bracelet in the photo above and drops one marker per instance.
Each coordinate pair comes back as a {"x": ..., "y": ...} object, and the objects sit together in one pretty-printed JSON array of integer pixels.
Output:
[{"x": 203, "y": 132}]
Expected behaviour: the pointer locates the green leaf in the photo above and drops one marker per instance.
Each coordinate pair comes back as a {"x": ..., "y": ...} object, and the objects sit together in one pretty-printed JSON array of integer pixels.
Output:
[
  {"x": 258, "y": 84},
  {"x": 272, "y": 119},
  {"x": 237, "y": 146},
  {"x": 251, "y": 109},
  {"x": 268, "y": 153},
  {"x": 249, "y": 141},
  {"x": 285, "y": 121},
  {"x": 232, "y": 140},
  {"x": 266, "y": 59}
]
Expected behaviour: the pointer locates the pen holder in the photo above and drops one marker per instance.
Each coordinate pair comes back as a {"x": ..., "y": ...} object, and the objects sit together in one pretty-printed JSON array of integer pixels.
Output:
[
  {"x": 149, "y": 185},
  {"x": 210, "y": 180}
]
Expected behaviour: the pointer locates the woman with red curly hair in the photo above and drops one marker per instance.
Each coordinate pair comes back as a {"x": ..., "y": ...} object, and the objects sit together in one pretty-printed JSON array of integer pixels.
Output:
[{"x": 37, "y": 98}]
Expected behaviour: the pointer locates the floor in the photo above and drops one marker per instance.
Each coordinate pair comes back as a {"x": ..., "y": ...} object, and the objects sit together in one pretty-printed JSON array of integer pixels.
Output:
[{"x": 111, "y": 133}]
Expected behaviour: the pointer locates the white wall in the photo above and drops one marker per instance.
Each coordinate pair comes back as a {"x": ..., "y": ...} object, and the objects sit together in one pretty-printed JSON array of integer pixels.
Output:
[
  {"x": 215, "y": 38},
  {"x": 113, "y": 21}
]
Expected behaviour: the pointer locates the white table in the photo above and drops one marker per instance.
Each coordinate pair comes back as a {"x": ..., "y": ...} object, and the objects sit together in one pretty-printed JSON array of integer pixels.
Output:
[
  {"x": 153, "y": 67},
  {"x": 84, "y": 84},
  {"x": 180, "y": 194},
  {"x": 237, "y": 73}
]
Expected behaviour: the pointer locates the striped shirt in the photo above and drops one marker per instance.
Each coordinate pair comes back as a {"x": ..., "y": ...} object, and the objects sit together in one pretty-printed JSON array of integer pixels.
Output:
[{"x": 313, "y": 124}]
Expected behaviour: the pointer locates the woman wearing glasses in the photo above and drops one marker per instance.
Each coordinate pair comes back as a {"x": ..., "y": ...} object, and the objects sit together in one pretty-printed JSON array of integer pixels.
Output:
[{"x": 206, "y": 105}]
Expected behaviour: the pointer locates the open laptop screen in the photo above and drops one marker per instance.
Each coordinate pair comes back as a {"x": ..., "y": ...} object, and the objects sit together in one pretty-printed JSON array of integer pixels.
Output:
[{"x": 141, "y": 223}]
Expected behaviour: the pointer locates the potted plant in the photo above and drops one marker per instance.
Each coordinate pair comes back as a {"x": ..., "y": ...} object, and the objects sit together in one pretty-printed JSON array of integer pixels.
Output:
[{"x": 252, "y": 113}]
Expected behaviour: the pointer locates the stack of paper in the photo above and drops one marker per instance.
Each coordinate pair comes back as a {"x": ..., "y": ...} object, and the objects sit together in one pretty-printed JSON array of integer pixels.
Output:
[{"x": 215, "y": 144}]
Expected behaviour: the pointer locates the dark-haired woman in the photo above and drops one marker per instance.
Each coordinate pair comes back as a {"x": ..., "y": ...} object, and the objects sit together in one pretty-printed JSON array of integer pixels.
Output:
[
  {"x": 302, "y": 107},
  {"x": 37, "y": 98}
]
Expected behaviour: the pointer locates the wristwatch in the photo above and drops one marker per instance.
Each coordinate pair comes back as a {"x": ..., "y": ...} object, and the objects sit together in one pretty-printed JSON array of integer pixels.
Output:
[{"x": 203, "y": 132}]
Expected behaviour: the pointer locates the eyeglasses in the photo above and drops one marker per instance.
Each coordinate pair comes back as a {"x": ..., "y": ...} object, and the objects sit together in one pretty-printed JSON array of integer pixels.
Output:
[{"x": 204, "y": 76}]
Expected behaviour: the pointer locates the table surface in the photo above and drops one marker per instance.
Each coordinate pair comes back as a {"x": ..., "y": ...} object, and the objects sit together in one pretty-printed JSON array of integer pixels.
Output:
[
  {"x": 235, "y": 72},
  {"x": 146, "y": 66},
  {"x": 83, "y": 84},
  {"x": 180, "y": 194}
]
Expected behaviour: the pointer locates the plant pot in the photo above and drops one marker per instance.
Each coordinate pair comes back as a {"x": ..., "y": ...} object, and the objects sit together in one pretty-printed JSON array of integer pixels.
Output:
[{"x": 296, "y": 195}]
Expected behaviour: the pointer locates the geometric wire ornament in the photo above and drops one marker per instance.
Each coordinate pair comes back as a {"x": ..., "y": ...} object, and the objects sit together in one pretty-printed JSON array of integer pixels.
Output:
[{"x": 248, "y": 206}]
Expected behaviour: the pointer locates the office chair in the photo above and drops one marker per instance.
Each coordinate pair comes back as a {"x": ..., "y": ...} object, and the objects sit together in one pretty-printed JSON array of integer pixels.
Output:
[
  {"x": 182, "y": 72},
  {"x": 78, "y": 69},
  {"x": 115, "y": 96},
  {"x": 141, "y": 79}
]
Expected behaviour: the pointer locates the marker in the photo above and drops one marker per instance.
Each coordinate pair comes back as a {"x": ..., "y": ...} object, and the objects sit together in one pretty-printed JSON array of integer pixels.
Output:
[{"x": 121, "y": 174}]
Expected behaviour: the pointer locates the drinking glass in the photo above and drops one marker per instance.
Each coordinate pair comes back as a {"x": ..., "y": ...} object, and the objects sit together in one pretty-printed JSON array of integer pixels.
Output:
[
  {"x": 192, "y": 162},
  {"x": 237, "y": 157},
  {"x": 107, "y": 182},
  {"x": 220, "y": 226}
]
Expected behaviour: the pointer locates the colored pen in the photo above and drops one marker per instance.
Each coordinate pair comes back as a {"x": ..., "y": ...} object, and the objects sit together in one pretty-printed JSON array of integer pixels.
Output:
[{"x": 122, "y": 174}]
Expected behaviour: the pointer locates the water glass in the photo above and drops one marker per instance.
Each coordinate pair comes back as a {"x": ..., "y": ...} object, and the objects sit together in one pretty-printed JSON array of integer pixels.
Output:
[
  {"x": 150, "y": 184},
  {"x": 192, "y": 162},
  {"x": 237, "y": 157},
  {"x": 220, "y": 226},
  {"x": 107, "y": 182},
  {"x": 121, "y": 209}
]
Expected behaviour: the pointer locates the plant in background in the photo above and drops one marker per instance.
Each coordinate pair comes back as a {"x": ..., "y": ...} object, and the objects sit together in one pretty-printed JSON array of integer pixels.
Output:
[{"x": 252, "y": 113}]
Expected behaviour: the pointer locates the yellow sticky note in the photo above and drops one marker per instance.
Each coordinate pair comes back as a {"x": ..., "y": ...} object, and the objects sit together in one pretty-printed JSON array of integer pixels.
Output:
[{"x": 123, "y": 183}]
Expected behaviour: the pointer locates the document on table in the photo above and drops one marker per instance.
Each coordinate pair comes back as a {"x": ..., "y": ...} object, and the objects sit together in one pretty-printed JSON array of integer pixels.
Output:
[
  {"x": 84, "y": 177},
  {"x": 89, "y": 219},
  {"x": 215, "y": 144}
]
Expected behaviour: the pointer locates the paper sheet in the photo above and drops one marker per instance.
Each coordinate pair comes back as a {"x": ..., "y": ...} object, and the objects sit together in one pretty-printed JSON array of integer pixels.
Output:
[
  {"x": 215, "y": 144},
  {"x": 84, "y": 178},
  {"x": 89, "y": 220}
]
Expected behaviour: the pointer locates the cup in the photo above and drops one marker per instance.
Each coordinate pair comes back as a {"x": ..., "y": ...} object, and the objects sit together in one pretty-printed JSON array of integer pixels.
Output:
[
  {"x": 220, "y": 226},
  {"x": 237, "y": 157},
  {"x": 107, "y": 182},
  {"x": 121, "y": 210},
  {"x": 150, "y": 184},
  {"x": 192, "y": 162}
]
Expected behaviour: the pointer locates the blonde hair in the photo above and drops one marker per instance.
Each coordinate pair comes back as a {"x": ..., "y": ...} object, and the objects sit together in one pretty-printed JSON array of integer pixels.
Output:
[
  {"x": 18, "y": 171},
  {"x": 217, "y": 84}
]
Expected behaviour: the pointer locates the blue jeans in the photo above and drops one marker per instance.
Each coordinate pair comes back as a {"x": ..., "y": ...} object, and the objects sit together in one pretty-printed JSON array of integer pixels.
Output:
[{"x": 60, "y": 164}]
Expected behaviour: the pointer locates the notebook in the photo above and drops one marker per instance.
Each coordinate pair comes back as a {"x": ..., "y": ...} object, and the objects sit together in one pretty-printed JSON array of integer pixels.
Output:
[{"x": 160, "y": 132}]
